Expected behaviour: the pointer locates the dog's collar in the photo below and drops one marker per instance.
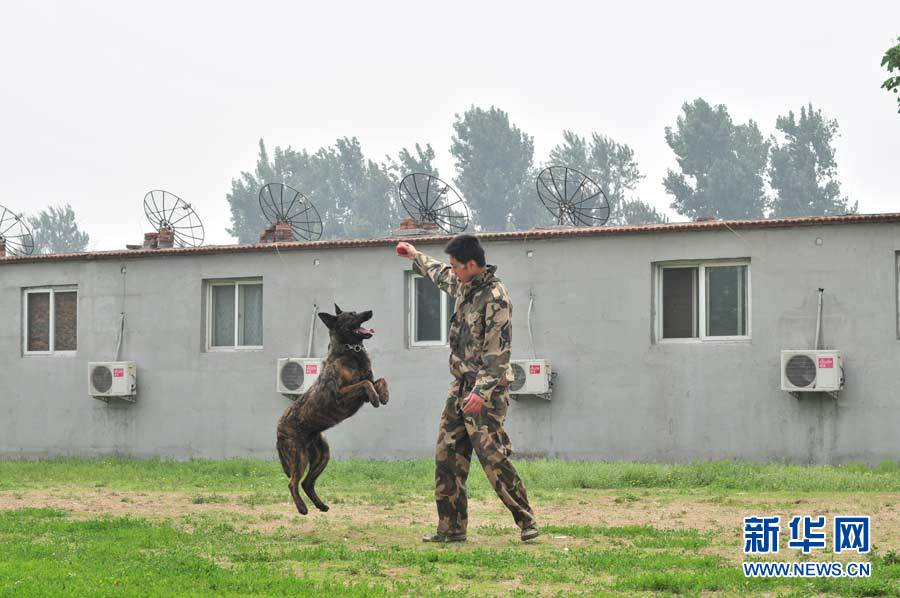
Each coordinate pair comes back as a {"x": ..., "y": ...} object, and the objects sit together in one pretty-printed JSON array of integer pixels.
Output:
[{"x": 356, "y": 348}]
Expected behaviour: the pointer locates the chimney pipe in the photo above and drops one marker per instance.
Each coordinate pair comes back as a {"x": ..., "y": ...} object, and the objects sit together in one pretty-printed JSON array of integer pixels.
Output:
[{"x": 166, "y": 238}]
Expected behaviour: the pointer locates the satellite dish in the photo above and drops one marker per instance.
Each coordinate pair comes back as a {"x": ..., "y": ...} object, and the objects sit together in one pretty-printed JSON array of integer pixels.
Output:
[
  {"x": 166, "y": 210},
  {"x": 15, "y": 233},
  {"x": 281, "y": 203},
  {"x": 572, "y": 197},
  {"x": 427, "y": 198}
]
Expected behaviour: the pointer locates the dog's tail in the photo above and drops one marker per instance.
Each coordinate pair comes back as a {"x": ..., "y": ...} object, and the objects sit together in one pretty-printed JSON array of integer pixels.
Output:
[{"x": 280, "y": 443}]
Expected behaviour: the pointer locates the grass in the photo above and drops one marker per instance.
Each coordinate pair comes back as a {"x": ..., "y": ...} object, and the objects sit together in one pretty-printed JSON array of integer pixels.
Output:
[
  {"x": 412, "y": 480},
  {"x": 236, "y": 534}
]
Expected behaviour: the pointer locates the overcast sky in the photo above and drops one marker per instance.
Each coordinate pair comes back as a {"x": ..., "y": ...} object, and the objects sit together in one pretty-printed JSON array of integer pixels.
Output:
[{"x": 101, "y": 102}]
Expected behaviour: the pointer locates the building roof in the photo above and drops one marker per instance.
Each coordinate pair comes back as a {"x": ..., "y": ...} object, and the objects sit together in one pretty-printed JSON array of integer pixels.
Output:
[{"x": 538, "y": 233}]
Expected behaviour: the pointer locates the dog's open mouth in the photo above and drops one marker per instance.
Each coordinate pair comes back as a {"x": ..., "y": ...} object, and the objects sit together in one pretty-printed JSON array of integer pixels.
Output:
[{"x": 364, "y": 332}]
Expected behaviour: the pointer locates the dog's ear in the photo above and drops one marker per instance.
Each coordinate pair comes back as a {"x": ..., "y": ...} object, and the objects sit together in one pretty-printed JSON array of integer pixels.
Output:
[
  {"x": 329, "y": 319},
  {"x": 337, "y": 310}
]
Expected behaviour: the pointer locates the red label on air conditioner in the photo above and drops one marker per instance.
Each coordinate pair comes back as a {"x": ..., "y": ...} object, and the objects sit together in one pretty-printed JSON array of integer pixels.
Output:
[
  {"x": 312, "y": 368},
  {"x": 534, "y": 368},
  {"x": 118, "y": 372},
  {"x": 826, "y": 363}
]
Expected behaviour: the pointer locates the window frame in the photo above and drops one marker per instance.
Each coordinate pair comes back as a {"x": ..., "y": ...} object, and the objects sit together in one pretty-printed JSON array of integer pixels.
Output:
[
  {"x": 413, "y": 306},
  {"x": 51, "y": 290},
  {"x": 701, "y": 266},
  {"x": 236, "y": 283}
]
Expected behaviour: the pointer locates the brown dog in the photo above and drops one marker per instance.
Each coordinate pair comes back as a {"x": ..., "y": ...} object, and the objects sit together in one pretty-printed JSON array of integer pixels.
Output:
[{"x": 345, "y": 384}]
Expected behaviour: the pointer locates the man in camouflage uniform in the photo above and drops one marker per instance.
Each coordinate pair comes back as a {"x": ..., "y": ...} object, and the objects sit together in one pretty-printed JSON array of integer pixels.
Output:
[{"x": 480, "y": 344}]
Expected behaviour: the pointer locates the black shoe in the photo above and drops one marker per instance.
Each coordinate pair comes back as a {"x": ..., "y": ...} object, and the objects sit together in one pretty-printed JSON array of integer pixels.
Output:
[
  {"x": 442, "y": 538},
  {"x": 530, "y": 533}
]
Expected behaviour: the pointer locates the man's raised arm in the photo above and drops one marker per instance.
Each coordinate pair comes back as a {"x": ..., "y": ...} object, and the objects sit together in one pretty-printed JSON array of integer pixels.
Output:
[{"x": 438, "y": 272}]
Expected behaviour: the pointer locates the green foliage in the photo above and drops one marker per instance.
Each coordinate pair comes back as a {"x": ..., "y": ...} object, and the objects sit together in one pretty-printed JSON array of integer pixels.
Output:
[
  {"x": 722, "y": 164},
  {"x": 247, "y": 220},
  {"x": 891, "y": 61},
  {"x": 55, "y": 231},
  {"x": 803, "y": 170},
  {"x": 635, "y": 211},
  {"x": 613, "y": 167},
  {"x": 354, "y": 196},
  {"x": 494, "y": 169},
  {"x": 407, "y": 163}
]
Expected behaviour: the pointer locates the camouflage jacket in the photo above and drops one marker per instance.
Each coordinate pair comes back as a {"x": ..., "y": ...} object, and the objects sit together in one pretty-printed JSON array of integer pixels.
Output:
[{"x": 480, "y": 328}]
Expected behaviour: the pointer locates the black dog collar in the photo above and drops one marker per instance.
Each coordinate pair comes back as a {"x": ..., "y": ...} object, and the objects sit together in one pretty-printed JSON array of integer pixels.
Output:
[{"x": 356, "y": 348}]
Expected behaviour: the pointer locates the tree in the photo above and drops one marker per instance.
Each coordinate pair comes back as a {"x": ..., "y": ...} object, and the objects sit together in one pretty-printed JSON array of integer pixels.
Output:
[
  {"x": 635, "y": 211},
  {"x": 55, "y": 231},
  {"x": 494, "y": 167},
  {"x": 891, "y": 60},
  {"x": 803, "y": 171},
  {"x": 613, "y": 167},
  {"x": 406, "y": 163},
  {"x": 247, "y": 220},
  {"x": 722, "y": 164},
  {"x": 357, "y": 194},
  {"x": 354, "y": 196}
]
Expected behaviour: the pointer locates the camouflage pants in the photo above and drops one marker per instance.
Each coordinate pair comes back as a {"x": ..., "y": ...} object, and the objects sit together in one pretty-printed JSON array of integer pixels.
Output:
[{"x": 459, "y": 433}]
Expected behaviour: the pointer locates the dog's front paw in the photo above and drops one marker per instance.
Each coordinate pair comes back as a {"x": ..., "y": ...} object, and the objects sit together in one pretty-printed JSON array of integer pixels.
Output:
[
  {"x": 382, "y": 389},
  {"x": 371, "y": 394}
]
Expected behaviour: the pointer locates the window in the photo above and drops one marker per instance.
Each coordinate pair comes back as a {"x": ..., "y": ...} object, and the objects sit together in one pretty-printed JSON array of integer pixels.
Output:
[
  {"x": 430, "y": 312},
  {"x": 51, "y": 321},
  {"x": 235, "y": 314},
  {"x": 703, "y": 301}
]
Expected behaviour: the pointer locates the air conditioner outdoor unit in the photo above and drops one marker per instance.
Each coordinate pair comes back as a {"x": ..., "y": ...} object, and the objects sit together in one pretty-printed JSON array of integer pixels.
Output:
[
  {"x": 294, "y": 375},
  {"x": 530, "y": 377},
  {"x": 812, "y": 371},
  {"x": 108, "y": 379}
]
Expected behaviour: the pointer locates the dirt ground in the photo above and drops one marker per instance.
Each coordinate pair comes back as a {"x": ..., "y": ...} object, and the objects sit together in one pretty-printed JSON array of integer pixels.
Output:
[{"x": 722, "y": 515}]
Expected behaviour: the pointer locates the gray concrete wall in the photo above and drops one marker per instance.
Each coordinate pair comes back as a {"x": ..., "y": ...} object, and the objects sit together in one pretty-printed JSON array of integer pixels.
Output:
[{"x": 620, "y": 395}]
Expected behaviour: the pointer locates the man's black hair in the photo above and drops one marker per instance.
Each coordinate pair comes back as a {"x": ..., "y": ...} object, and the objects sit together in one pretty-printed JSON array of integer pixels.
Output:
[{"x": 465, "y": 248}]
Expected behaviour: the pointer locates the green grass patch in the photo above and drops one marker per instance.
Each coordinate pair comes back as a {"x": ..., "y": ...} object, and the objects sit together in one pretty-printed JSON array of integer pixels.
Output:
[
  {"x": 222, "y": 552},
  {"x": 394, "y": 482},
  {"x": 201, "y": 499},
  {"x": 639, "y": 536},
  {"x": 47, "y": 553}
]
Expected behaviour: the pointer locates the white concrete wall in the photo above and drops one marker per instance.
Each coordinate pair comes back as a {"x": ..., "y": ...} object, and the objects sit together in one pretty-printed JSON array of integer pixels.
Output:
[{"x": 620, "y": 395}]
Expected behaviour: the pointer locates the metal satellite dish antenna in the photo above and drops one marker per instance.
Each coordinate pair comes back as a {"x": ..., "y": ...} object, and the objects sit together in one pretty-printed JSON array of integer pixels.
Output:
[
  {"x": 572, "y": 197},
  {"x": 15, "y": 234},
  {"x": 283, "y": 204},
  {"x": 427, "y": 198},
  {"x": 167, "y": 211}
]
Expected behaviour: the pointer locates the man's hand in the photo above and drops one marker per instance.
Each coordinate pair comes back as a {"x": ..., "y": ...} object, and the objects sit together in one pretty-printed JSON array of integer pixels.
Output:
[
  {"x": 473, "y": 404},
  {"x": 405, "y": 249}
]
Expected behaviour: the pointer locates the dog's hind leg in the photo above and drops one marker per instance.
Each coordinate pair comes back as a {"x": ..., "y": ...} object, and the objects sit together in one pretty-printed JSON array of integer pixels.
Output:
[
  {"x": 297, "y": 466},
  {"x": 282, "y": 443},
  {"x": 319, "y": 455}
]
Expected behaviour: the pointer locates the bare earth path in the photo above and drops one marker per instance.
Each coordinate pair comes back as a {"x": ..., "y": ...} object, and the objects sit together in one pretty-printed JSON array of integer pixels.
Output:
[{"x": 718, "y": 514}]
